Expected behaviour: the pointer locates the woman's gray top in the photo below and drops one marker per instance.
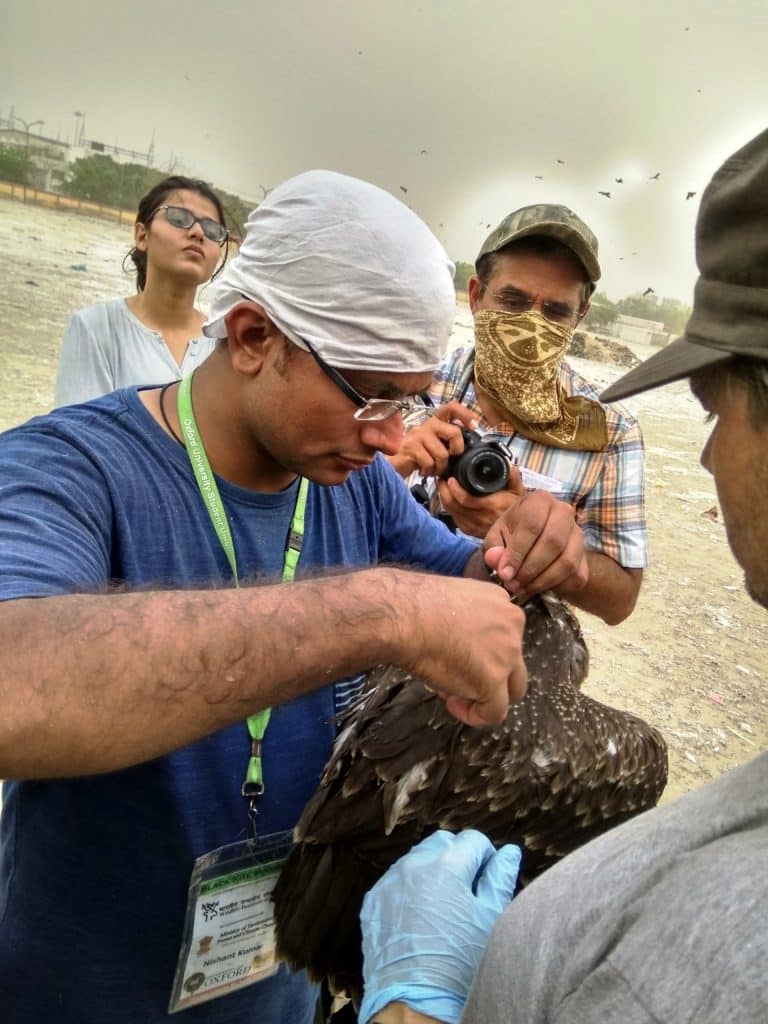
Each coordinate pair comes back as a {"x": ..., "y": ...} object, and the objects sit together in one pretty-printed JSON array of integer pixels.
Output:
[{"x": 106, "y": 347}]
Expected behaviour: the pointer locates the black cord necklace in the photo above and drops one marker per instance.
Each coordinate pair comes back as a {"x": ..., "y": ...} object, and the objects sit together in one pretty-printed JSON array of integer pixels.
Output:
[{"x": 166, "y": 421}]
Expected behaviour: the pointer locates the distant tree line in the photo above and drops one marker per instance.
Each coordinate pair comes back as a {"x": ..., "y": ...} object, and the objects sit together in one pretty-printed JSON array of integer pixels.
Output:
[
  {"x": 463, "y": 273},
  {"x": 100, "y": 179},
  {"x": 671, "y": 312}
]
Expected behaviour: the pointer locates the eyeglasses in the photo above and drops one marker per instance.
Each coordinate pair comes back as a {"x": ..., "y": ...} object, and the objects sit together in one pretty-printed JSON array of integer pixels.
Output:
[
  {"x": 368, "y": 409},
  {"x": 181, "y": 217},
  {"x": 514, "y": 301}
]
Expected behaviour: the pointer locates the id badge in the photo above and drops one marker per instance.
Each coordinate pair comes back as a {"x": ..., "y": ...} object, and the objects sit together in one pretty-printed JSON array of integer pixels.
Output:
[{"x": 229, "y": 928}]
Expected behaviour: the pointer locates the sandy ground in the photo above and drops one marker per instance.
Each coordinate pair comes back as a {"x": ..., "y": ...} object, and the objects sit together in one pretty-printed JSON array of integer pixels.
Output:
[{"x": 690, "y": 659}]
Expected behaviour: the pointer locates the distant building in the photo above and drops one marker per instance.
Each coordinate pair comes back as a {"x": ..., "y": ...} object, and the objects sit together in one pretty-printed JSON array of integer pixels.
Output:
[
  {"x": 51, "y": 158},
  {"x": 636, "y": 329}
]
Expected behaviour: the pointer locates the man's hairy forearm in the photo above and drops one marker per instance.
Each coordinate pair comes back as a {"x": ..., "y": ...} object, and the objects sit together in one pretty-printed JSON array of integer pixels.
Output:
[
  {"x": 91, "y": 683},
  {"x": 611, "y": 591}
]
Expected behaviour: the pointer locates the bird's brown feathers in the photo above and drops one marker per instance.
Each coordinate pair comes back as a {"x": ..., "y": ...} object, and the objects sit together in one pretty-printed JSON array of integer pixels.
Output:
[{"x": 559, "y": 770}]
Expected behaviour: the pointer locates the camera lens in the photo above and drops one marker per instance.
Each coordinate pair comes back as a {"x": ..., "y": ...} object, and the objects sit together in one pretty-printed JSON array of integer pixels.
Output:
[{"x": 482, "y": 470}]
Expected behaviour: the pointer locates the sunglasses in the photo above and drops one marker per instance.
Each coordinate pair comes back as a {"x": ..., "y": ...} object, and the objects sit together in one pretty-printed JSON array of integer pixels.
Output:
[
  {"x": 181, "y": 217},
  {"x": 514, "y": 301}
]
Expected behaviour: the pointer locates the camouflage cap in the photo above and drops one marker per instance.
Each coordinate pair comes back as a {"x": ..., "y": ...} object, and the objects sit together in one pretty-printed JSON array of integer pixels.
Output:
[
  {"x": 553, "y": 221},
  {"x": 730, "y": 304}
]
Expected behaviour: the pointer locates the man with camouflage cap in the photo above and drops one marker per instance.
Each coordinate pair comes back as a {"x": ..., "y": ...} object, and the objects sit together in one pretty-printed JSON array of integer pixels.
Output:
[
  {"x": 536, "y": 273},
  {"x": 662, "y": 920}
]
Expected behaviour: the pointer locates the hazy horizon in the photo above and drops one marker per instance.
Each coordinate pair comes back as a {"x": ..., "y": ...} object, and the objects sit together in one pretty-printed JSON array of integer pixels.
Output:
[{"x": 474, "y": 109}]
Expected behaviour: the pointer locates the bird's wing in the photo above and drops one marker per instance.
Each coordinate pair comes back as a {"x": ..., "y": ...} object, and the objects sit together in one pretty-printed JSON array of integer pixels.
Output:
[
  {"x": 590, "y": 767},
  {"x": 559, "y": 769},
  {"x": 390, "y": 754}
]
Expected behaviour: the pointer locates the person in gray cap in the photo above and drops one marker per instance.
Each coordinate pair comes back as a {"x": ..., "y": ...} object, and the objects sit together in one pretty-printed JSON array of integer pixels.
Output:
[
  {"x": 662, "y": 920},
  {"x": 535, "y": 276},
  {"x": 190, "y": 582}
]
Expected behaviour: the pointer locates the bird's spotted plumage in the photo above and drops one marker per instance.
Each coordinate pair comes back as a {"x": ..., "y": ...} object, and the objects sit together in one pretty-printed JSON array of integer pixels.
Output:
[{"x": 559, "y": 770}]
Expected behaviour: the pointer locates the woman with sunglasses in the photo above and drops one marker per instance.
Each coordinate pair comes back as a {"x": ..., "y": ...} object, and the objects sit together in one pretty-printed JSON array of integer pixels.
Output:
[{"x": 154, "y": 336}]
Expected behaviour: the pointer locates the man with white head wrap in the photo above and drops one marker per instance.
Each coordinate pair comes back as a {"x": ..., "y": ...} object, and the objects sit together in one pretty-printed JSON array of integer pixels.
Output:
[
  {"x": 177, "y": 495},
  {"x": 364, "y": 280}
]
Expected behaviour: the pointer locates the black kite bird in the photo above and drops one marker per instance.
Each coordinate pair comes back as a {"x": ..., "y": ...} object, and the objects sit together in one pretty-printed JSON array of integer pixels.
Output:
[{"x": 560, "y": 769}]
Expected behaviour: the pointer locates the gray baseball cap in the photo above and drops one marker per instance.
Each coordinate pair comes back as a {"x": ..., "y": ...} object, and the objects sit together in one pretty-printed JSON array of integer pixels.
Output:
[
  {"x": 554, "y": 221},
  {"x": 730, "y": 304}
]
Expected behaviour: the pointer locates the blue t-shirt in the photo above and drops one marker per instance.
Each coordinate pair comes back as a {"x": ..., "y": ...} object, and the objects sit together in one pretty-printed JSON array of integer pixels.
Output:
[{"x": 94, "y": 871}]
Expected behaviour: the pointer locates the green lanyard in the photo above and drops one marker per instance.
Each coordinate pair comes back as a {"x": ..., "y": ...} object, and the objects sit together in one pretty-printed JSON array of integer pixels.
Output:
[{"x": 253, "y": 784}]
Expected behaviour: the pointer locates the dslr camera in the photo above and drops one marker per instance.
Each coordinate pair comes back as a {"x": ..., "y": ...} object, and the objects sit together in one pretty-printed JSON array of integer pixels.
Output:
[{"x": 483, "y": 466}]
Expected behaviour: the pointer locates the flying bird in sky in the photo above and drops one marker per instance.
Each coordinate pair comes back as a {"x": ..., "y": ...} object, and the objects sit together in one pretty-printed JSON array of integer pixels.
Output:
[
  {"x": 655, "y": 177},
  {"x": 539, "y": 177},
  {"x": 689, "y": 195},
  {"x": 648, "y": 291},
  {"x": 403, "y": 188},
  {"x": 560, "y": 161},
  {"x": 619, "y": 181},
  {"x": 561, "y": 769},
  {"x": 606, "y": 194},
  {"x": 423, "y": 152}
]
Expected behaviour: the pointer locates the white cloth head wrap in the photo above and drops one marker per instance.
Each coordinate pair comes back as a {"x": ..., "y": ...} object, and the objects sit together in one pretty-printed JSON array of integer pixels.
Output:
[{"x": 347, "y": 266}]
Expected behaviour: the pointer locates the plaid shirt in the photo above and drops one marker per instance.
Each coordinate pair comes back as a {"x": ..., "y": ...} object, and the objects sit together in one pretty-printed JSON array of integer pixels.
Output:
[{"x": 606, "y": 488}]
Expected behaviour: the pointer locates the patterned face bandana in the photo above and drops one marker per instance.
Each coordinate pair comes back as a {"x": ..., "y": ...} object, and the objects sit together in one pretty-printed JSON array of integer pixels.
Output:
[{"x": 517, "y": 356}]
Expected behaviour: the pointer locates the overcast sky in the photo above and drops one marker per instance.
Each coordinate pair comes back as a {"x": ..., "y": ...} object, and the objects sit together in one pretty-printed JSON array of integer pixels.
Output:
[{"x": 247, "y": 94}]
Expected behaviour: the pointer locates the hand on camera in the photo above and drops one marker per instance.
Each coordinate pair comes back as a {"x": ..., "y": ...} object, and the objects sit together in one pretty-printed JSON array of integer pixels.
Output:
[
  {"x": 475, "y": 514},
  {"x": 427, "y": 447}
]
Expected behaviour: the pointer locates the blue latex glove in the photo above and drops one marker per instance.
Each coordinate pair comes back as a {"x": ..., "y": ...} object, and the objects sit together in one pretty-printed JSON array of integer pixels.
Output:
[{"x": 427, "y": 921}]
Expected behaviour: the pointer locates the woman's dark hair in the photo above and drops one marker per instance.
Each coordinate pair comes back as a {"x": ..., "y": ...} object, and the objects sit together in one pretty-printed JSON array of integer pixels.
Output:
[{"x": 151, "y": 203}]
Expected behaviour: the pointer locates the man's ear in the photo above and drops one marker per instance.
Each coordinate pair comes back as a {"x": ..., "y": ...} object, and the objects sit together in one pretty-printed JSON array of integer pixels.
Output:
[
  {"x": 474, "y": 292},
  {"x": 249, "y": 332}
]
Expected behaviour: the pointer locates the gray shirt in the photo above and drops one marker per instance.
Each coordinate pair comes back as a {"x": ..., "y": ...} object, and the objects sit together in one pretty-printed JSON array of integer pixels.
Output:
[
  {"x": 664, "y": 919},
  {"x": 106, "y": 347}
]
